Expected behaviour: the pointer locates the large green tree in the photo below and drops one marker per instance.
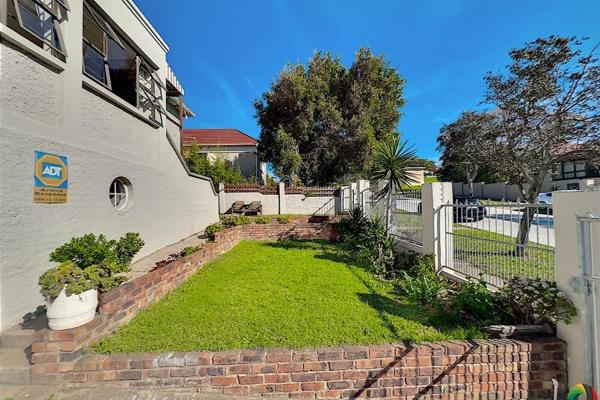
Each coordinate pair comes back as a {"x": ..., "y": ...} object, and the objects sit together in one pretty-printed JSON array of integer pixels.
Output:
[{"x": 333, "y": 115}]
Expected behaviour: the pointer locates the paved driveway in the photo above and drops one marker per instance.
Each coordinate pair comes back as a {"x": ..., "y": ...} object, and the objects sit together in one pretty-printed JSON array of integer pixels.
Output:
[{"x": 506, "y": 222}]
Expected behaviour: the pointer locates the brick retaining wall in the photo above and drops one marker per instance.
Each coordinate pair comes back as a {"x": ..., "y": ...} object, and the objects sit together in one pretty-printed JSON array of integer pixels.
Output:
[{"x": 481, "y": 369}]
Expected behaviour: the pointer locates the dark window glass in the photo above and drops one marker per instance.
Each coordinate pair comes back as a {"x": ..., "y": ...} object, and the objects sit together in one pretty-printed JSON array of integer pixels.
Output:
[
  {"x": 123, "y": 71},
  {"x": 94, "y": 63}
]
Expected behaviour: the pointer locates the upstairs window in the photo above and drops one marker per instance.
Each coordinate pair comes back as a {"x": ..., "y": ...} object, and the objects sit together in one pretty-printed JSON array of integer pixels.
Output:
[
  {"x": 38, "y": 21},
  {"x": 111, "y": 61}
]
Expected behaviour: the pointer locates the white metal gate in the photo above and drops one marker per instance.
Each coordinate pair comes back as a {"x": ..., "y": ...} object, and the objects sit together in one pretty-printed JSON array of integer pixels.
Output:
[{"x": 589, "y": 233}]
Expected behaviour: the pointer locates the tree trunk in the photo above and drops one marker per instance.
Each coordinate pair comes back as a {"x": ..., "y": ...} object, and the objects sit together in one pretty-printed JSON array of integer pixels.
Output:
[
  {"x": 526, "y": 220},
  {"x": 471, "y": 174}
]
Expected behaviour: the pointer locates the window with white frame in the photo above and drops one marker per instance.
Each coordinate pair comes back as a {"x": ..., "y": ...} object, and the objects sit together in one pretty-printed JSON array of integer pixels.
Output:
[
  {"x": 119, "y": 193},
  {"x": 110, "y": 60},
  {"x": 39, "y": 21}
]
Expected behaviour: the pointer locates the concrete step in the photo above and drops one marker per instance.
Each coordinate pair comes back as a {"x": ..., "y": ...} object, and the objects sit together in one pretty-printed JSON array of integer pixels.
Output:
[
  {"x": 14, "y": 366},
  {"x": 21, "y": 336}
]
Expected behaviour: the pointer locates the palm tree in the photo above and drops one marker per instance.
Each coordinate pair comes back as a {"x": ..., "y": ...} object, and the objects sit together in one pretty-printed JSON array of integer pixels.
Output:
[{"x": 390, "y": 161}]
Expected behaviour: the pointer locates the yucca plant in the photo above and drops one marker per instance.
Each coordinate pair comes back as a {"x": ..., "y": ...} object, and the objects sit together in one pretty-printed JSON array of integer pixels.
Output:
[{"x": 391, "y": 159}]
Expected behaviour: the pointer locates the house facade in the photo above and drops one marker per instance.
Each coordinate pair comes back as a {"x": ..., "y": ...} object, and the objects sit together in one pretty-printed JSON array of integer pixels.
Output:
[
  {"x": 570, "y": 175},
  {"x": 233, "y": 145},
  {"x": 90, "y": 139}
]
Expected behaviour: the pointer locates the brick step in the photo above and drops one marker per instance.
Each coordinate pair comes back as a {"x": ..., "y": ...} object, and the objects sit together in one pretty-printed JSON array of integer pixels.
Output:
[
  {"x": 21, "y": 336},
  {"x": 14, "y": 366}
]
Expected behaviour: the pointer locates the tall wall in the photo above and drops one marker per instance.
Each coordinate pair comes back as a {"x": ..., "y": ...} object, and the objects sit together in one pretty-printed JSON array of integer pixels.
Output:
[{"x": 49, "y": 106}]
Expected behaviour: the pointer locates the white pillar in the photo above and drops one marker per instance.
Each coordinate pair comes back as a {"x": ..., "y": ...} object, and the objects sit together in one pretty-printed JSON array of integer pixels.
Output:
[
  {"x": 566, "y": 207},
  {"x": 437, "y": 221},
  {"x": 353, "y": 195},
  {"x": 282, "y": 205},
  {"x": 361, "y": 186},
  {"x": 222, "y": 205}
]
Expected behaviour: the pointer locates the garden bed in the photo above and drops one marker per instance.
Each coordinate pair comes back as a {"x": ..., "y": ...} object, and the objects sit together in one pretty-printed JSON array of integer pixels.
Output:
[{"x": 279, "y": 294}]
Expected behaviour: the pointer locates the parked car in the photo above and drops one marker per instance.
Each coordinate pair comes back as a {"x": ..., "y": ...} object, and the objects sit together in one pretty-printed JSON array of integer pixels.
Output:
[
  {"x": 544, "y": 198},
  {"x": 468, "y": 209}
]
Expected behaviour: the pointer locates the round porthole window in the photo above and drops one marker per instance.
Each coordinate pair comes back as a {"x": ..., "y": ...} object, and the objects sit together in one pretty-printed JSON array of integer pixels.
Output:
[{"x": 119, "y": 193}]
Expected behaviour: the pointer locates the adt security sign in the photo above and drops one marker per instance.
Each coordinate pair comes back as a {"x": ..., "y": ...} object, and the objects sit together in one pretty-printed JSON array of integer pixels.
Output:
[{"x": 51, "y": 178}]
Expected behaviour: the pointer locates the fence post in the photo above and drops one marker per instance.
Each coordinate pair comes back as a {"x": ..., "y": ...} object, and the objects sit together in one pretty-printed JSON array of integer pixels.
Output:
[
  {"x": 222, "y": 205},
  {"x": 437, "y": 221},
  {"x": 353, "y": 195},
  {"x": 281, "y": 197},
  {"x": 361, "y": 186},
  {"x": 568, "y": 271}
]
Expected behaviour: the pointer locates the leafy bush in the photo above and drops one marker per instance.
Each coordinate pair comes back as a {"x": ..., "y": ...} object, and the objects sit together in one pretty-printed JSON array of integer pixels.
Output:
[
  {"x": 229, "y": 221},
  {"x": 89, "y": 262},
  {"x": 262, "y": 219},
  {"x": 375, "y": 248},
  {"x": 186, "y": 251},
  {"x": 426, "y": 290},
  {"x": 283, "y": 219},
  {"x": 212, "y": 229},
  {"x": 352, "y": 226},
  {"x": 415, "y": 264},
  {"x": 476, "y": 301},
  {"x": 219, "y": 170},
  {"x": 535, "y": 301}
]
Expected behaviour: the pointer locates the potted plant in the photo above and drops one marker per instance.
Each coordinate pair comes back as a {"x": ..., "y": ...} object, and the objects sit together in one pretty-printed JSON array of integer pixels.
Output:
[{"x": 88, "y": 264}]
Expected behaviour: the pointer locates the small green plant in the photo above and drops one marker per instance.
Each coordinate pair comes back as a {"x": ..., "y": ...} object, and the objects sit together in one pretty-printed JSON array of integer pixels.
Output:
[
  {"x": 283, "y": 219},
  {"x": 375, "y": 248},
  {"x": 262, "y": 219},
  {"x": 352, "y": 226},
  {"x": 423, "y": 289},
  {"x": 212, "y": 229},
  {"x": 474, "y": 300},
  {"x": 90, "y": 262},
  {"x": 186, "y": 251},
  {"x": 535, "y": 301},
  {"x": 229, "y": 221}
]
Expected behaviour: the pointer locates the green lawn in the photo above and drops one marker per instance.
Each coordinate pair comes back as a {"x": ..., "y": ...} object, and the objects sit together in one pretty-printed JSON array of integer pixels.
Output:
[
  {"x": 492, "y": 253},
  {"x": 278, "y": 294}
]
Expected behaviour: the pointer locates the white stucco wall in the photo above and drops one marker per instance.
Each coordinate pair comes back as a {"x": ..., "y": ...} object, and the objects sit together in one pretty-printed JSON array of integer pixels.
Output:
[
  {"x": 567, "y": 206},
  {"x": 301, "y": 204},
  {"x": 49, "y": 110},
  {"x": 270, "y": 202}
]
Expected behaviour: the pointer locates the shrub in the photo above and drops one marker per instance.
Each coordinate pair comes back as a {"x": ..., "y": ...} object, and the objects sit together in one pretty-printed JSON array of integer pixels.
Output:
[
  {"x": 535, "y": 301},
  {"x": 90, "y": 262},
  {"x": 476, "y": 301},
  {"x": 262, "y": 219},
  {"x": 212, "y": 229},
  {"x": 423, "y": 289},
  {"x": 375, "y": 248},
  {"x": 283, "y": 219},
  {"x": 415, "y": 264},
  {"x": 186, "y": 251},
  {"x": 352, "y": 226},
  {"x": 229, "y": 221}
]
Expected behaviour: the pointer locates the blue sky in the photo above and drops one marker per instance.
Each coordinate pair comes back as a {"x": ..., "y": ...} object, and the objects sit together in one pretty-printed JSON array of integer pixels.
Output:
[{"x": 226, "y": 53}]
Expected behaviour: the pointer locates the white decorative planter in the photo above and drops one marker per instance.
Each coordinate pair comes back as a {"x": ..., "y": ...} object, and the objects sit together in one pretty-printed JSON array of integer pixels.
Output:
[{"x": 66, "y": 312}]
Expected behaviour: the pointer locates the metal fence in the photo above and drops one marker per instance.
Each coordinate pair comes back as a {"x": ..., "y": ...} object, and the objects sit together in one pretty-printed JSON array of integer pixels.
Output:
[
  {"x": 482, "y": 240},
  {"x": 407, "y": 216}
]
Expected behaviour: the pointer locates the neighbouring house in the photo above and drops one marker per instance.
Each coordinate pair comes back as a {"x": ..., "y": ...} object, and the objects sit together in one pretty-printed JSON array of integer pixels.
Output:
[
  {"x": 570, "y": 174},
  {"x": 90, "y": 138},
  {"x": 232, "y": 145}
]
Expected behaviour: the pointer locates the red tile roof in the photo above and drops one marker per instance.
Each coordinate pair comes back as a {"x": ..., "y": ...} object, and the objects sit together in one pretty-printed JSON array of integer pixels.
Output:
[{"x": 217, "y": 137}]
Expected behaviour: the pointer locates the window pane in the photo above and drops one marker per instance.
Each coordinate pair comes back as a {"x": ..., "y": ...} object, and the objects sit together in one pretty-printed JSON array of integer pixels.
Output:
[
  {"x": 39, "y": 21},
  {"x": 93, "y": 63},
  {"x": 92, "y": 32},
  {"x": 123, "y": 71}
]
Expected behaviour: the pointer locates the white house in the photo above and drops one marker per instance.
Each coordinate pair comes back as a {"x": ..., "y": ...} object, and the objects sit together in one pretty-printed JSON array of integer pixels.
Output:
[{"x": 90, "y": 120}]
